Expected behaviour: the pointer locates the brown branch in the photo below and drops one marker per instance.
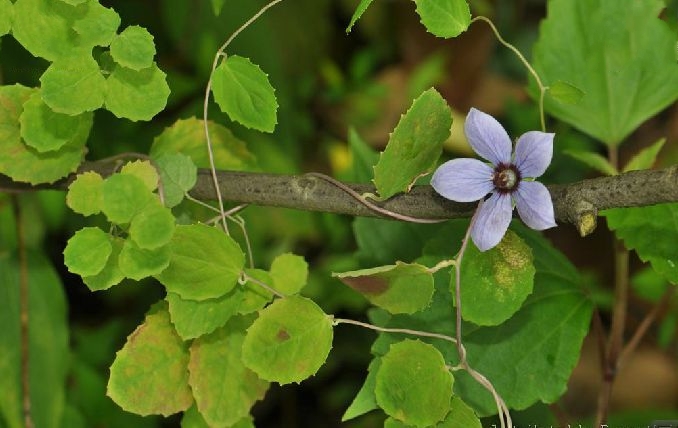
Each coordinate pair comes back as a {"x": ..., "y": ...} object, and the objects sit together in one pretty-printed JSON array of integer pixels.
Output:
[{"x": 576, "y": 203}]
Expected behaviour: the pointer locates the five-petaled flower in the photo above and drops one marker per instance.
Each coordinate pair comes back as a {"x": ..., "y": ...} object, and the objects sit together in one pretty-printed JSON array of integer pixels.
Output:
[{"x": 507, "y": 178}]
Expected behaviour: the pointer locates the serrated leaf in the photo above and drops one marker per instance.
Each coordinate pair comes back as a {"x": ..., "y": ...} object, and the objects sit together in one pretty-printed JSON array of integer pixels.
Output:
[
  {"x": 359, "y": 10},
  {"x": 289, "y": 273},
  {"x": 652, "y": 232},
  {"x": 6, "y": 14},
  {"x": 74, "y": 85},
  {"x": 187, "y": 136},
  {"x": 593, "y": 160},
  {"x": 133, "y": 48},
  {"x": 624, "y": 48},
  {"x": 23, "y": 163},
  {"x": 255, "y": 297},
  {"x": 414, "y": 145},
  {"x": 111, "y": 274},
  {"x": 206, "y": 263},
  {"x": 413, "y": 383},
  {"x": 365, "y": 401},
  {"x": 87, "y": 251},
  {"x": 289, "y": 341},
  {"x": 143, "y": 170},
  {"x": 85, "y": 194},
  {"x": 402, "y": 288},
  {"x": 244, "y": 92},
  {"x": 153, "y": 227},
  {"x": 501, "y": 279},
  {"x": 193, "y": 318},
  {"x": 444, "y": 18},
  {"x": 224, "y": 389},
  {"x": 138, "y": 263},
  {"x": 565, "y": 92},
  {"x": 178, "y": 175},
  {"x": 97, "y": 26},
  {"x": 136, "y": 95},
  {"x": 148, "y": 375},
  {"x": 124, "y": 195},
  {"x": 459, "y": 416},
  {"x": 645, "y": 158}
]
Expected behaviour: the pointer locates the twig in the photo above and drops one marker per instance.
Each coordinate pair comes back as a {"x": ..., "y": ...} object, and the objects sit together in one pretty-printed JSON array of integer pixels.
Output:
[
  {"x": 245, "y": 278},
  {"x": 419, "y": 333}
]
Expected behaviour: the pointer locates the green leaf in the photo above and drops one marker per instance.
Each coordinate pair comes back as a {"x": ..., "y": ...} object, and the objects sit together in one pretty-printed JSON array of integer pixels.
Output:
[
  {"x": 148, "y": 375},
  {"x": 460, "y": 416},
  {"x": 255, "y": 297},
  {"x": 48, "y": 343},
  {"x": 85, "y": 194},
  {"x": 133, "y": 48},
  {"x": 144, "y": 171},
  {"x": 97, "y": 26},
  {"x": 138, "y": 263},
  {"x": 6, "y": 15},
  {"x": 153, "y": 227},
  {"x": 74, "y": 85},
  {"x": 501, "y": 279},
  {"x": 205, "y": 263},
  {"x": 217, "y": 5},
  {"x": 609, "y": 49},
  {"x": 649, "y": 285},
  {"x": 136, "y": 95},
  {"x": 363, "y": 158},
  {"x": 289, "y": 341},
  {"x": 444, "y": 18},
  {"x": 46, "y": 130},
  {"x": 593, "y": 160},
  {"x": 565, "y": 93},
  {"x": 178, "y": 175},
  {"x": 124, "y": 196},
  {"x": 224, "y": 389},
  {"x": 243, "y": 92},
  {"x": 413, "y": 383},
  {"x": 193, "y": 318},
  {"x": 187, "y": 136},
  {"x": 23, "y": 163},
  {"x": 87, "y": 251},
  {"x": 289, "y": 273},
  {"x": 415, "y": 144},
  {"x": 645, "y": 158},
  {"x": 359, "y": 10},
  {"x": 365, "y": 400},
  {"x": 111, "y": 274},
  {"x": 400, "y": 289},
  {"x": 652, "y": 232}
]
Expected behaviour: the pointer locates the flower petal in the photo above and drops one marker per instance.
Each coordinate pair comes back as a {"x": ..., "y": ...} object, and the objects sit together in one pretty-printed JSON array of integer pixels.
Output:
[
  {"x": 492, "y": 221},
  {"x": 534, "y": 205},
  {"x": 463, "y": 180},
  {"x": 487, "y": 137},
  {"x": 534, "y": 151}
]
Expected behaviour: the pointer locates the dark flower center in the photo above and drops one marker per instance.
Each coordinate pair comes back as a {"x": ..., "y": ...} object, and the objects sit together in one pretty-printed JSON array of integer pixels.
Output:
[{"x": 506, "y": 178}]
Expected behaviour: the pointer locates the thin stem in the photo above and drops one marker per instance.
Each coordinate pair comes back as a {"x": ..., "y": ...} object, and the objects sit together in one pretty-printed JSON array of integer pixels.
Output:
[
  {"x": 442, "y": 265},
  {"x": 245, "y": 278},
  {"x": 419, "y": 333},
  {"x": 521, "y": 57},
  {"x": 369, "y": 204},
  {"x": 24, "y": 315}
]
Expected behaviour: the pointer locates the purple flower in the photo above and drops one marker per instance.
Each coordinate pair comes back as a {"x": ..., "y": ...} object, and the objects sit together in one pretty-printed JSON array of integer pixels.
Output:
[{"x": 508, "y": 178}]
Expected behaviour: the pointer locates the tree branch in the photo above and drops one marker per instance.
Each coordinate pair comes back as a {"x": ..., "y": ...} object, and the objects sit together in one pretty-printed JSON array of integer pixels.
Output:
[{"x": 576, "y": 203}]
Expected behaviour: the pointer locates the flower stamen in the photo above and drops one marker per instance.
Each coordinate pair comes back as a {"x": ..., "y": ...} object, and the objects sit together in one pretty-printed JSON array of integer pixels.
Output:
[{"x": 506, "y": 177}]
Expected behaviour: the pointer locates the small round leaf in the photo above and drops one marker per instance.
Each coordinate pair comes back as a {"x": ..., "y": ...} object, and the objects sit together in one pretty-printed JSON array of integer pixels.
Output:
[
  {"x": 84, "y": 194},
  {"x": 73, "y": 85},
  {"x": 138, "y": 263},
  {"x": 289, "y": 272},
  {"x": 153, "y": 227},
  {"x": 133, "y": 48},
  {"x": 111, "y": 274},
  {"x": 136, "y": 95},
  {"x": 87, "y": 251},
  {"x": 124, "y": 196}
]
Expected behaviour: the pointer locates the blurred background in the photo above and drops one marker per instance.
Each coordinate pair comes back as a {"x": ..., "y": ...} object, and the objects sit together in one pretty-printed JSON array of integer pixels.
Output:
[{"x": 327, "y": 82}]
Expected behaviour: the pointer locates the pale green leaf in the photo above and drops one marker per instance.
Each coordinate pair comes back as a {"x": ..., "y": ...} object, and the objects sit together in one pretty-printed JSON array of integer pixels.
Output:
[
  {"x": 124, "y": 195},
  {"x": 153, "y": 227},
  {"x": 255, "y": 297},
  {"x": 289, "y": 272},
  {"x": 415, "y": 144},
  {"x": 74, "y": 85},
  {"x": 111, "y": 274},
  {"x": 289, "y": 341},
  {"x": 413, "y": 383},
  {"x": 645, "y": 158},
  {"x": 459, "y": 416},
  {"x": 444, "y": 18},
  {"x": 400, "y": 288},
  {"x": 178, "y": 174},
  {"x": 565, "y": 93},
  {"x": 133, "y": 48},
  {"x": 143, "y": 170},
  {"x": 6, "y": 15},
  {"x": 87, "y": 251},
  {"x": 138, "y": 263},
  {"x": 359, "y": 10},
  {"x": 85, "y": 194},
  {"x": 593, "y": 160},
  {"x": 97, "y": 26},
  {"x": 224, "y": 389},
  {"x": 364, "y": 401},
  {"x": 136, "y": 95},
  {"x": 620, "y": 54},
  {"x": 46, "y": 130},
  {"x": 206, "y": 263},
  {"x": 193, "y": 318},
  {"x": 244, "y": 92},
  {"x": 148, "y": 375}
]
